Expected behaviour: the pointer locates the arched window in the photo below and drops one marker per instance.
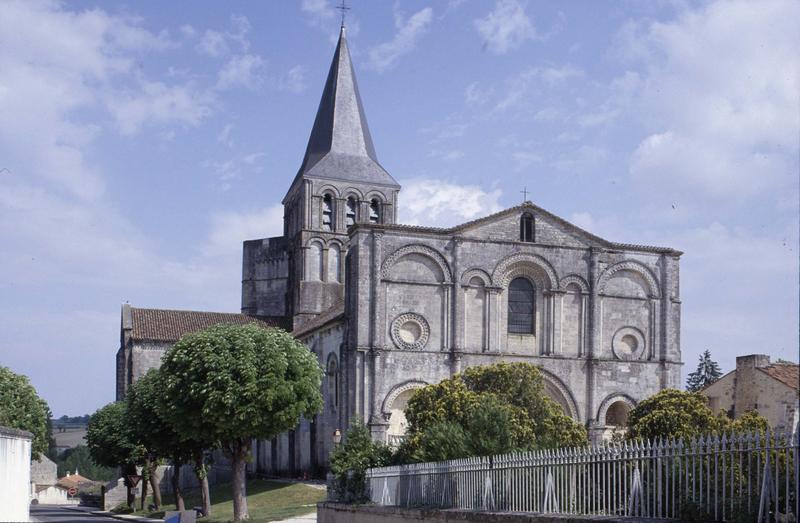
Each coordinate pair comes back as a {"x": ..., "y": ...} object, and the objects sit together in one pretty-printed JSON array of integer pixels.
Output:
[
  {"x": 526, "y": 228},
  {"x": 350, "y": 217},
  {"x": 520, "y": 306},
  {"x": 327, "y": 213},
  {"x": 333, "y": 381},
  {"x": 374, "y": 211}
]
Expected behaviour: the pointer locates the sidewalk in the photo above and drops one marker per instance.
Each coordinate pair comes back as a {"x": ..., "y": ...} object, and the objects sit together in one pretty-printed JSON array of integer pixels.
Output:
[
  {"x": 307, "y": 518},
  {"x": 125, "y": 517}
]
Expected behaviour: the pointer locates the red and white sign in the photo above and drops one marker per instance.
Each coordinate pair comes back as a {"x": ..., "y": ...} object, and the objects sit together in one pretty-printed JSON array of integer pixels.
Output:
[{"x": 72, "y": 491}]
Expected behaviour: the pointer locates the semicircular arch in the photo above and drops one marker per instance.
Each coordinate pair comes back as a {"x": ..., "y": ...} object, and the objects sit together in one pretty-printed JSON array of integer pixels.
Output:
[
  {"x": 567, "y": 399},
  {"x": 574, "y": 279},
  {"x": 328, "y": 188},
  {"x": 504, "y": 272},
  {"x": 468, "y": 274},
  {"x": 424, "y": 250},
  {"x": 396, "y": 391},
  {"x": 610, "y": 400},
  {"x": 633, "y": 266}
]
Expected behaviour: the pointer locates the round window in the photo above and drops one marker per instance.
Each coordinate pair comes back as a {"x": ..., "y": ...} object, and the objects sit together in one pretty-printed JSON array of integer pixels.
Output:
[
  {"x": 410, "y": 331},
  {"x": 628, "y": 343}
]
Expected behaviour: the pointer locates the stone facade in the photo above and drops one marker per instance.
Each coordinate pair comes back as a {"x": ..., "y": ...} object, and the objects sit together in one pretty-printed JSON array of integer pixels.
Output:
[
  {"x": 772, "y": 389},
  {"x": 389, "y": 308}
]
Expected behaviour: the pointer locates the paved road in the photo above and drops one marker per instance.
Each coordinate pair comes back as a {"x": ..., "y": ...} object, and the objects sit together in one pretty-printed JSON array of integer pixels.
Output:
[{"x": 55, "y": 514}]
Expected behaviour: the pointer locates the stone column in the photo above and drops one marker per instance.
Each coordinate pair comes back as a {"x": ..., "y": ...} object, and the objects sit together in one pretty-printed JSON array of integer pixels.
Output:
[
  {"x": 558, "y": 305},
  {"x": 377, "y": 424},
  {"x": 593, "y": 334},
  {"x": 378, "y": 300},
  {"x": 493, "y": 302},
  {"x": 457, "y": 311}
]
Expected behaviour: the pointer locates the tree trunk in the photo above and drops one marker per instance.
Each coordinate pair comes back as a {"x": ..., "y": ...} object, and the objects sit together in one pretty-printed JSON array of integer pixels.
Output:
[
  {"x": 144, "y": 485},
  {"x": 155, "y": 484},
  {"x": 202, "y": 476},
  {"x": 241, "y": 451},
  {"x": 176, "y": 486}
]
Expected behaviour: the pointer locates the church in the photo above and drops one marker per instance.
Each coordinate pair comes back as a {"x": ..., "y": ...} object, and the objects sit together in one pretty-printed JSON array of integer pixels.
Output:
[{"x": 389, "y": 308}]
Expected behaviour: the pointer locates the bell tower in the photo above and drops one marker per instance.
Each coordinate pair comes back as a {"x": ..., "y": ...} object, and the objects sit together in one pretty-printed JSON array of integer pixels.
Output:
[{"x": 339, "y": 183}]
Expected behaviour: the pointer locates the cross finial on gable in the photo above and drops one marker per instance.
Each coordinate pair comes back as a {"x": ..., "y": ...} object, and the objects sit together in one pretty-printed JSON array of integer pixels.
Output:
[
  {"x": 343, "y": 8},
  {"x": 524, "y": 192}
]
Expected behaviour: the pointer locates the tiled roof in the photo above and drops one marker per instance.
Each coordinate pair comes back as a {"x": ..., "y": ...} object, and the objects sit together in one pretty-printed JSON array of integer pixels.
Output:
[
  {"x": 786, "y": 373},
  {"x": 171, "y": 325},
  {"x": 332, "y": 314},
  {"x": 73, "y": 480}
]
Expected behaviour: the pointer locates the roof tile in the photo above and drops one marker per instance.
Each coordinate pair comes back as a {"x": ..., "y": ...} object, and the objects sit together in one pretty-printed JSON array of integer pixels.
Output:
[{"x": 171, "y": 325}]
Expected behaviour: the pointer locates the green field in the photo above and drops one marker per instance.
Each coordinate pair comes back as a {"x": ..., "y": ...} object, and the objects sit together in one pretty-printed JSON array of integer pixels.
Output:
[{"x": 266, "y": 501}]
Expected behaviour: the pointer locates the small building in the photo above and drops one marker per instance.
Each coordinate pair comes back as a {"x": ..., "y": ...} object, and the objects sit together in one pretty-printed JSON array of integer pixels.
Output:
[
  {"x": 772, "y": 389},
  {"x": 146, "y": 334},
  {"x": 15, "y": 474}
]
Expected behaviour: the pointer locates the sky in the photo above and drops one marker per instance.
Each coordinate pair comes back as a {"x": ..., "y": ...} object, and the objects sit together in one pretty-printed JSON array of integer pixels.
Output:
[{"x": 142, "y": 142}]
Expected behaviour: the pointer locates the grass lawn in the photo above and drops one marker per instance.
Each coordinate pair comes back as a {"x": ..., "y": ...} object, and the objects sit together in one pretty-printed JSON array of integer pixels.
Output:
[{"x": 266, "y": 501}]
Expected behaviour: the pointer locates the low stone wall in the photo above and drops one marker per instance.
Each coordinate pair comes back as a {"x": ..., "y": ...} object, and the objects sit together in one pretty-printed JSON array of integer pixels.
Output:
[{"x": 328, "y": 512}]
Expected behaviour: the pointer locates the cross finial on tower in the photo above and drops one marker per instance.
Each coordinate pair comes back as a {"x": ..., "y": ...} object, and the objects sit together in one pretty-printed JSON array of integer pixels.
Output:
[
  {"x": 343, "y": 8},
  {"x": 524, "y": 192}
]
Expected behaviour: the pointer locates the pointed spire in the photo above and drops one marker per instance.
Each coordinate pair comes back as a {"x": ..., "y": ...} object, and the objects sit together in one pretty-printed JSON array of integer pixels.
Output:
[{"x": 340, "y": 146}]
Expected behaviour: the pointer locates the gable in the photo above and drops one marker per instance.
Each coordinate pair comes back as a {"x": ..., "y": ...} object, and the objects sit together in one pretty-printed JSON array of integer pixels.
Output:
[{"x": 505, "y": 226}]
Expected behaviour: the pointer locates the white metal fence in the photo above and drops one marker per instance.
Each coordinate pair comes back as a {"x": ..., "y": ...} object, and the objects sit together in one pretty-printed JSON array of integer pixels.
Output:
[{"x": 747, "y": 477}]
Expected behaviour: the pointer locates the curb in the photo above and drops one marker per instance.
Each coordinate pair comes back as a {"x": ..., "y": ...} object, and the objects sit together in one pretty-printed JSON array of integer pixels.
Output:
[{"x": 123, "y": 517}]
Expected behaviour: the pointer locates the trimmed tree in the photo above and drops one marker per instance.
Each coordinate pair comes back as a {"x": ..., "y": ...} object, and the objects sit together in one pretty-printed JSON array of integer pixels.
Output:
[
  {"x": 231, "y": 384},
  {"x": 146, "y": 406},
  {"x": 498, "y": 408},
  {"x": 111, "y": 443},
  {"x": 707, "y": 372},
  {"x": 673, "y": 413},
  {"x": 22, "y": 408}
]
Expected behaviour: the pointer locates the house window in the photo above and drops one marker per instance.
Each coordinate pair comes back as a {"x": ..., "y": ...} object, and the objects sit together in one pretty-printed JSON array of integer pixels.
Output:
[
  {"x": 520, "y": 306},
  {"x": 526, "y": 228},
  {"x": 350, "y": 217},
  {"x": 327, "y": 213},
  {"x": 374, "y": 211}
]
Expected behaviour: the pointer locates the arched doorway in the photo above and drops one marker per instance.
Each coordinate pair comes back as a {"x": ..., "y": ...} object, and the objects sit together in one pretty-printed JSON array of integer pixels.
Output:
[{"x": 394, "y": 408}]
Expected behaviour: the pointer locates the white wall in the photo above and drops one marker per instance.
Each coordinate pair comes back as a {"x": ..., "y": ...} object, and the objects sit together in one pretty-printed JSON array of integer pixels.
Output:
[{"x": 15, "y": 475}]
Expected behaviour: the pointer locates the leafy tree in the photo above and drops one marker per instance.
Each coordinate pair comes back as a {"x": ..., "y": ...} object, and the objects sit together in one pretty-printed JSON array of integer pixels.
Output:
[
  {"x": 146, "y": 427},
  {"x": 750, "y": 421},
  {"x": 111, "y": 443},
  {"x": 673, "y": 413},
  {"x": 707, "y": 372},
  {"x": 229, "y": 384},
  {"x": 442, "y": 441},
  {"x": 22, "y": 408},
  {"x": 79, "y": 458},
  {"x": 351, "y": 459},
  {"x": 500, "y": 408}
]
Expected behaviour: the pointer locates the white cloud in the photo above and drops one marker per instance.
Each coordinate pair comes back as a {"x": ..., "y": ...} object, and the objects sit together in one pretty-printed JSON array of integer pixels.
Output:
[
  {"x": 719, "y": 96},
  {"x": 408, "y": 33},
  {"x": 217, "y": 43},
  {"x": 294, "y": 80},
  {"x": 582, "y": 159},
  {"x": 320, "y": 10},
  {"x": 232, "y": 169},
  {"x": 224, "y": 136},
  {"x": 523, "y": 86},
  {"x": 506, "y": 27},
  {"x": 242, "y": 71},
  {"x": 229, "y": 229},
  {"x": 525, "y": 159},
  {"x": 213, "y": 43},
  {"x": 438, "y": 203},
  {"x": 64, "y": 62},
  {"x": 158, "y": 103}
]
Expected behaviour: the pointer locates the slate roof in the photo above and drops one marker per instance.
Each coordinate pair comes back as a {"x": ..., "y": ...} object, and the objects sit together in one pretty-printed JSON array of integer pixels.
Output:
[
  {"x": 340, "y": 146},
  {"x": 786, "y": 373},
  {"x": 171, "y": 325},
  {"x": 518, "y": 208},
  {"x": 335, "y": 312}
]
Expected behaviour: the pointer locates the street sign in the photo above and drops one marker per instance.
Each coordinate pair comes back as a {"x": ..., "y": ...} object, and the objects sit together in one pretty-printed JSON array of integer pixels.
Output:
[
  {"x": 72, "y": 491},
  {"x": 133, "y": 480}
]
